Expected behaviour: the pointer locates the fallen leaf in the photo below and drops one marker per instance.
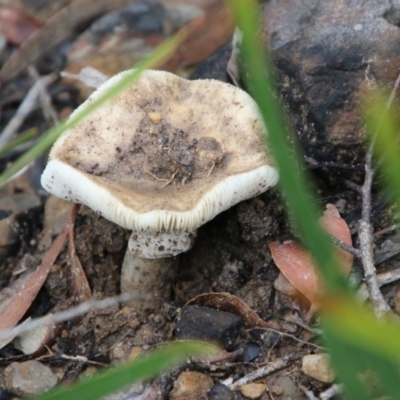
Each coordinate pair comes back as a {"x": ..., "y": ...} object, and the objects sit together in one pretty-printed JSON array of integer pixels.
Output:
[
  {"x": 17, "y": 26},
  {"x": 297, "y": 265},
  {"x": 332, "y": 223},
  {"x": 17, "y": 298},
  {"x": 34, "y": 341},
  {"x": 77, "y": 283}
]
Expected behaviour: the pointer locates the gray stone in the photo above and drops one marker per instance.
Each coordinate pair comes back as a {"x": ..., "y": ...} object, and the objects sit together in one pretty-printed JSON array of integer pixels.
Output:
[
  {"x": 328, "y": 55},
  {"x": 29, "y": 378},
  {"x": 205, "y": 323}
]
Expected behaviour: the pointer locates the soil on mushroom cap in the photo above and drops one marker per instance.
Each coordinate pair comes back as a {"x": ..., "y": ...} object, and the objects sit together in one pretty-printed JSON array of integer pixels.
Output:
[{"x": 167, "y": 153}]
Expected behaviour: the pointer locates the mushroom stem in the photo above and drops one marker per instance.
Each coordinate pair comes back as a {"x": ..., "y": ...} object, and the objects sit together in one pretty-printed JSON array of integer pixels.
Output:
[
  {"x": 151, "y": 279},
  {"x": 150, "y": 265}
]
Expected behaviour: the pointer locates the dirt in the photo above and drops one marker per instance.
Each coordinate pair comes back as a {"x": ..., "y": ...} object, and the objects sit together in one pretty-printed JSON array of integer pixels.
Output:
[{"x": 230, "y": 254}]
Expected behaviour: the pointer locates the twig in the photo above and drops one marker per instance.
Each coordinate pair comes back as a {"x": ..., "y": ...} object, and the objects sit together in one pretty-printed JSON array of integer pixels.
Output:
[
  {"x": 81, "y": 359},
  {"x": 294, "y": 338},
  {"x": 82, "y": 308},
  {"x": 49, "y": 112},
  {"x": 170, "y": 179},
  {"x": 89, "y": 76},
  {"x": 354, "y": 186},
  {"x": 309, "y": 393},
  {"x": 155, "y": 176},
  {"x": 334, "y": 390},
  {"x": 365, "y": 230},
  {"x": 27, "y": 105},
  {"x": 390, "y": 228},
  {"x": 383, "y": 279},
  {"x": 344, "y": 246},
  {"x": 266, "y": 370}
]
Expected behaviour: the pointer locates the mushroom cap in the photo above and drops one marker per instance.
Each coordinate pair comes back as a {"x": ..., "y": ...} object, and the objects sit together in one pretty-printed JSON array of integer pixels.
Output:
[{"x": 166, "y": 154}]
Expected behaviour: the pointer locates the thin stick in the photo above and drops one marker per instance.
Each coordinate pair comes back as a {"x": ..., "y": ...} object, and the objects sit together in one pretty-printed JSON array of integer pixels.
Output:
[
  {"x": 350, "y": 249},
  {"x": 294, "y": 338},
  {"x": 82, "y": 308},
  {"x": 334, "y": 390},
  {"x": 383, "y": 279},
  {"x": 390, "y": 228},
  {"x": 365, "y": 229},
  {"x": 265, "y": 370},
  {"x": 49, "y": 112},
  {"x": 27, "y": 105},
  {"x": 170, "y": 179}
]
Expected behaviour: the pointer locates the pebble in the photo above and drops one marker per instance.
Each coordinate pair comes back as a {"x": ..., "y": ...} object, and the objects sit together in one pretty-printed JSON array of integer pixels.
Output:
[
  {"x": 253, "y": 390},
  {"x": 205, "y": 323},
  {"x": 285, "y": 387},
  {"x": 318, "y": 367},
  {"x": 220, "y": 392},
  {"x": 251, "y": 350},
  {"x": 29, "y": 378},
  {"x": 191, "y": 385}
]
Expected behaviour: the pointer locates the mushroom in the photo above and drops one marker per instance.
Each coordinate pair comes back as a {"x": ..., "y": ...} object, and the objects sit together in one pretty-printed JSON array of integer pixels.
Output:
[{"x": 162, "y": 158}]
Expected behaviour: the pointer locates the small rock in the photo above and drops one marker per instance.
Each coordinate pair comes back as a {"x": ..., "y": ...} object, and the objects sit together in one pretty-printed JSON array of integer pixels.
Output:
[
  {"x": 220, "y": 392},
  {"x": 208, "y": 324},
  {"x": 120, "y": 352},
  {"x": 191, "y": 385},
  {"x": 281, "y": 284},
  {"x": 285, "y": 387},
  {"x": 135, "y": 353},
  {"x": 29, "y": 378},
  {"x": 318, "y": 367},
  {"x": 251, "y": 350},
  {"x": 253, "y": 390}
]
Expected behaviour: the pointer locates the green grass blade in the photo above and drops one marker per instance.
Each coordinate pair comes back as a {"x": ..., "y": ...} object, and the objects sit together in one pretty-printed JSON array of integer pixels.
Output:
[
  {"x": 159, "y": 55},
  {"x": 359, "y": 327},
  {"x": 345, "y": 362},
  {"x": 349, "y": 329},
  {"x": 293, "y": 183},
  {"x": 114, "y": 379},
  {"x": 21, "y": 139},
  {"x": 384, "y": 123}
]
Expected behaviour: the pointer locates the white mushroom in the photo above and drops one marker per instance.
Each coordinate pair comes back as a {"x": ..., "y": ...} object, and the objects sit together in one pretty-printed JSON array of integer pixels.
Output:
[{"x": 161, "y": 159}]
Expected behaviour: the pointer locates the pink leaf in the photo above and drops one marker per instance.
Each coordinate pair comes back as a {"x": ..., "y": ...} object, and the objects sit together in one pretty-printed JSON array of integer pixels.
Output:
[
  {"x": 17, "y": 26},
  {"x": 297, "y": 265}
]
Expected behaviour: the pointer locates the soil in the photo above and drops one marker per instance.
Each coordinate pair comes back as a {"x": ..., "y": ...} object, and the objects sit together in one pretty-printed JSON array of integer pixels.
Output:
[{"x": 230, "y": 254}]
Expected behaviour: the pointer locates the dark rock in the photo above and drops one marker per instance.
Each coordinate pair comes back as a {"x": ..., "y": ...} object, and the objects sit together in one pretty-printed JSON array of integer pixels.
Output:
[
  {"x": 4, "y": 394},
  {"x": 205, "y": 323},
  {"x": 251, "y": 350},
  {"x": 219, "y": 392},
  {"x": 215, "y": 66},
  {"x": 328, "y": 55}
]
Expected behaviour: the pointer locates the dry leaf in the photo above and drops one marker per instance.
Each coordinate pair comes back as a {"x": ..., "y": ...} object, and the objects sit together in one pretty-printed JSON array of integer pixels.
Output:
[
  {"x": 77, "y": 283},
  {"x": 332, "y": 223},
  {"x": 17, "y": 298},
  {"x": 297, "y": 265},
  {"x": 16, "y": 25}
]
